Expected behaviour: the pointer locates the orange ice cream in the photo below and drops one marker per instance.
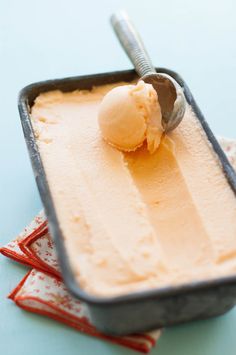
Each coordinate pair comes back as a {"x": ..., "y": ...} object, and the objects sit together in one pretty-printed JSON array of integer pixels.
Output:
[
  {"x": 130, "y": 114},
  {"x": 134, "y": 220}
]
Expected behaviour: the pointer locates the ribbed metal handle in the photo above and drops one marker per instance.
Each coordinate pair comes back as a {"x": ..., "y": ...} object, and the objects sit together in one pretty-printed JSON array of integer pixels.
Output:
[{"x": 132, "y": 43}]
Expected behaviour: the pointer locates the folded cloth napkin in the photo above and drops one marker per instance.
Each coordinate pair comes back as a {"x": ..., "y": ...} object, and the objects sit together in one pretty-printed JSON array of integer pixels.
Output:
[{"x": 42, "y": 290}]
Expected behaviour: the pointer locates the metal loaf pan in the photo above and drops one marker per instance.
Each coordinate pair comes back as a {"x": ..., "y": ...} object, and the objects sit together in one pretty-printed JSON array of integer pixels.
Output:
[{"x": 141, "y": 311}]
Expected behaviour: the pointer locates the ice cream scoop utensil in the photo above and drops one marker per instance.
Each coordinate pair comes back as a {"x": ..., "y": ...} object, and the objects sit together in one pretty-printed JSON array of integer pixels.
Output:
[{"x": 170, "y": 94}]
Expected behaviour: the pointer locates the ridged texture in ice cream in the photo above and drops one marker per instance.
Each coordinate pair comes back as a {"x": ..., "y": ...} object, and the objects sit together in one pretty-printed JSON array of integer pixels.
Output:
[
  {"x": 129, "y": 115},
  {"x": 134, "y": 221}
]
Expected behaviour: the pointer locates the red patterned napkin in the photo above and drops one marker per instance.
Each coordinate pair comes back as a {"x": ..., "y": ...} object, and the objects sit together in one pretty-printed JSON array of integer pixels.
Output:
[{"x": 42, "y": 290}]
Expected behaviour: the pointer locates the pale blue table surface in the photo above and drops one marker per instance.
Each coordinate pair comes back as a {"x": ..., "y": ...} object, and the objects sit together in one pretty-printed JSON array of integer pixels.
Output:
[{"x": 51, "y": 39}]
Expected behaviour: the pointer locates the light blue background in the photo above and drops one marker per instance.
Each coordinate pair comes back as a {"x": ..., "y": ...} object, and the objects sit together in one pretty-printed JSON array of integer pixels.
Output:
[{"x": 51, "y": 39}]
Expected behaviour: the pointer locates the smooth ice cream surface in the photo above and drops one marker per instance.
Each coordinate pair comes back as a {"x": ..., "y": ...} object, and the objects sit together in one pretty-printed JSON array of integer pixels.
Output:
[
  {"x": 130, "y": 114},
  {"x": 134, "y": 221}
]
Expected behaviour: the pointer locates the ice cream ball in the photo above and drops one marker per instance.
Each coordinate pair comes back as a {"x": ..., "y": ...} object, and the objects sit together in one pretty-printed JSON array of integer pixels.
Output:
[{"x": 130, "y": 114}]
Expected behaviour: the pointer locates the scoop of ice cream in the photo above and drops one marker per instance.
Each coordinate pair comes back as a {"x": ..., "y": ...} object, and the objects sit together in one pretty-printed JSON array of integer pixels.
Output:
[{"x": 129, "y": 115}]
